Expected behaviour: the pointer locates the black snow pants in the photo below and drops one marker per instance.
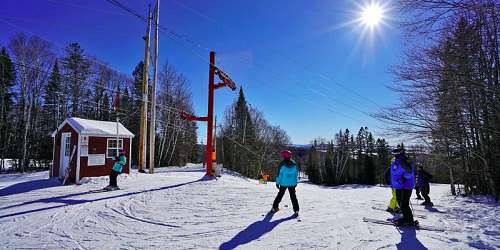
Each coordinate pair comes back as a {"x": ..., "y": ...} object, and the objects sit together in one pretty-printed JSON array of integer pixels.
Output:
[
  {"x": 417, "y": 191},
  {"x": 112, "y": 178},
  {"x": 425, "y": 192},
  {"x": 403, "y": 196},
  {"x": 293, "y": 197}
]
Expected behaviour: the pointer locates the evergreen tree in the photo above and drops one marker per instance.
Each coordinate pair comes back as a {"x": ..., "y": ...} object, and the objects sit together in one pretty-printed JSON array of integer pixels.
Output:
[
  {"x": 245, "y": 135},
  {"x": 370, "y": 144},
  {"x": 77, "y": 68},
  {"x": 106, "y": 112},
  {"x": 7, "y": 81},
  {"x": 329, "y": 165},
  {"x": 125, "y": 107},
  {"x": 134, "y": 119},
  {"x": 383, "y": 159},
  {"x": 53, "y": 99}
]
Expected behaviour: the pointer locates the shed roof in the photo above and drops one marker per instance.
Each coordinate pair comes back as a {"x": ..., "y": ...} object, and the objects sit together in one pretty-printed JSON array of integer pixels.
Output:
[{"x": 95, "y": 128}]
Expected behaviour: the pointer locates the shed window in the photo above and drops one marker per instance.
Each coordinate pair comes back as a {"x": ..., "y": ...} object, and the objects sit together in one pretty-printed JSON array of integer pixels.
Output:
[
  {"x": 67, "y": 146},
  {"x": 112, "y": 147}
]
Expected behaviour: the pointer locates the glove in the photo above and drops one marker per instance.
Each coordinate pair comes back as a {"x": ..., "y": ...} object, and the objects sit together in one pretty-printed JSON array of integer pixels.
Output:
[{"x": 277, "y": 186}]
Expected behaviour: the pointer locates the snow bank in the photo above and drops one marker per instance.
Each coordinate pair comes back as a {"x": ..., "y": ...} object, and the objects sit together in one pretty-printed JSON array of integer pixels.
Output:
[{"x": 178, "y": 209}]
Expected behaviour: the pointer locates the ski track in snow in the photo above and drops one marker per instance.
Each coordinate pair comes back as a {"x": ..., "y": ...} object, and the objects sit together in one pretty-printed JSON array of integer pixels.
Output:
[{"x": 177, "y": 209}]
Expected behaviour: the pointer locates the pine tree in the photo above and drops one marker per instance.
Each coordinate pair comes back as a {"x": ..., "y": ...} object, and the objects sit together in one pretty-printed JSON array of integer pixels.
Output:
[
  {"x": 329, "y": 166},
  {"x": 77, "y": 68},
  {"x": 125, "y": 107},
  {"x": 7, "y": 81},
  {"x": 53, "y": 99},
  {"x": 105, "y": 106},
  {"x": 134, "y": 118},
  {"x": 370, "y": 144},
  {"x": 245, "y": 135}
]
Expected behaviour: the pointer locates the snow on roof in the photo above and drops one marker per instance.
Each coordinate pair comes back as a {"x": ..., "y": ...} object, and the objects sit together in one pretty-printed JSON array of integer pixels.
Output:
[{"x": 95, "y": 128}]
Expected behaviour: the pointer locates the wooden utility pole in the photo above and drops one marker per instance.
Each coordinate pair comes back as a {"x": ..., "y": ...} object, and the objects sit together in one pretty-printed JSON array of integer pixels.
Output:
[
  {"x": 152, "y": 126},
  {"x": 144, "y": 108}
]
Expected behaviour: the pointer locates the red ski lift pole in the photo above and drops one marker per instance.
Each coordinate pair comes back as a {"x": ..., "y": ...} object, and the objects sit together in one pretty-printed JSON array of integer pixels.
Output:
[{"x": 225, "y": 82}]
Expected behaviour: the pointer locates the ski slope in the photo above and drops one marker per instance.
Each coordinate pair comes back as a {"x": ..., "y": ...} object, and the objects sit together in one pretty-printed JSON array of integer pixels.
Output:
[{"x": 178, "y": 209}]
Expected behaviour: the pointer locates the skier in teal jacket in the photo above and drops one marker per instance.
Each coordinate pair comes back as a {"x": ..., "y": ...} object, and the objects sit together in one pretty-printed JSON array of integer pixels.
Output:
[
  {"x": 287, "y": 178},
  {"x": 117, "y": 169}
]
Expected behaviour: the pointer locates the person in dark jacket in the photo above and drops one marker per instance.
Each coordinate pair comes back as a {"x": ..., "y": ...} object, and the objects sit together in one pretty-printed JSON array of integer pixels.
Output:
[
  {"x": 117, "y": 169},
  {"x": 403, "y": 180},
  {"x": 287, "y": 178},
  {"x": 423, "y": 180}
]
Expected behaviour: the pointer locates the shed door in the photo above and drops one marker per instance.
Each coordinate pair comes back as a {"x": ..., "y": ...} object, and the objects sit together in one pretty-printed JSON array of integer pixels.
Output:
[{"x": 65, "y": 153}]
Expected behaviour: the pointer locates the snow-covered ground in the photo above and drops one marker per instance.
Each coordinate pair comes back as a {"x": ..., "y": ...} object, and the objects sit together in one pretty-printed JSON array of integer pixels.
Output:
[{"x": 178, "y": 209}]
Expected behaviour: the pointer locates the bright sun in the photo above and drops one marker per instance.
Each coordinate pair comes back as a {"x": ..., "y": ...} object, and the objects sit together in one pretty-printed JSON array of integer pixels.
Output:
[{"x": 372, "y": 15}]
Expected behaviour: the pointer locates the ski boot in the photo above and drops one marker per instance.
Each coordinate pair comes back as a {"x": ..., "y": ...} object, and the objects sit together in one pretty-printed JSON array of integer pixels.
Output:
[
  {"x": 427, "y": 203},
  {"x": 405, "y": 223},
  {"x": 274, "y": 210},
  {"x": 111, "y": 188},
  {"x": 296, "y": 214},
  {"x": 419, "y": 198},
  {"x": 397, "y": 210}
]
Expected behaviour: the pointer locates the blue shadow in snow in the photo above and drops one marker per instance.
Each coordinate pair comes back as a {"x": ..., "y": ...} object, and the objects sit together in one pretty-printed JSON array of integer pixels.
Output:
[
  {"x": 67, "y": 202},
  {"x": 27, "y": 186},
  {"x": 433, "y": 209},
  {"x": 253, "y": 232},
  {"x": 409, "y": 239}
]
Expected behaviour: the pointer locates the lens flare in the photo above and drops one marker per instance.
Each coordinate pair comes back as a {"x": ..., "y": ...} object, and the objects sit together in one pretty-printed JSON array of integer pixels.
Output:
[{"x": 372, "y": 15}]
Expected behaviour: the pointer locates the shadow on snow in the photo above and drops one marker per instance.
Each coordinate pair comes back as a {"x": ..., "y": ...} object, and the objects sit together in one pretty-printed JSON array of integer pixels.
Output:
[
  {"x": 253, "y": 232},
  {"x": 409, "y": 239},
  {"x": 66, "y": 201},
  {"x": 28, "y": 186},
  {"x": 433, "y": 209}
]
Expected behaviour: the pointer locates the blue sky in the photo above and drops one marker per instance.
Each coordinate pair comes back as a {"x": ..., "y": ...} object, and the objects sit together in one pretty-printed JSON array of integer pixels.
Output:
[{"x": 304, "y": 64}]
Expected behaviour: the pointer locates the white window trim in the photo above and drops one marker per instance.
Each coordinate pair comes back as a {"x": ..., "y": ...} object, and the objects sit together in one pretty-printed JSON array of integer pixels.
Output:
[
  {"x": 78, "y": 160},
  {"x": 107, "y": 146}
]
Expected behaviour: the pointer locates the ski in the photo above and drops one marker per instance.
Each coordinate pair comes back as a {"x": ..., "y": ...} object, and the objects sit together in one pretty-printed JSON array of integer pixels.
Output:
[
  {"x": 419, "y": 227},
  {"x": 102, "y": 190},
  {"x": 414, "y": 215}
]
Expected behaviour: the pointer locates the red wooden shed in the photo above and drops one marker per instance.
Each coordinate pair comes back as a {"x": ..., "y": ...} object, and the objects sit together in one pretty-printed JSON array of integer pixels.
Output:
[{"x": 85, "y": 147}]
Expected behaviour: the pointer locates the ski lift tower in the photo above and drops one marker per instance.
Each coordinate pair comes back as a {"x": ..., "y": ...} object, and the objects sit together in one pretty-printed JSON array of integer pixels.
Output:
[{"x": 225, "y": 81}]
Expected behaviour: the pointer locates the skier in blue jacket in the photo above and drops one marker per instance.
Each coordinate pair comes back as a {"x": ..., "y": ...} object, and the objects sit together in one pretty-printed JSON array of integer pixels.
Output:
[
  {"x": 287, "y": 178},
  {"x": 403, "y": 180},
  {"x": 117, "y": 169}
]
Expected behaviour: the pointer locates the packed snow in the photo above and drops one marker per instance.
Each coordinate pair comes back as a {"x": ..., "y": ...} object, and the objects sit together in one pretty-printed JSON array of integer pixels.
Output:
[{"x": 177, "y": 208}]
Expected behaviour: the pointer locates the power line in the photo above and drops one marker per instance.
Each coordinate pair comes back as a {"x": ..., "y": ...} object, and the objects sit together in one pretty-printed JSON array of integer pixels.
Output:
[
  {"x": 321, "y": 75},
  {"x": 172, "y": 35},
  {"x": 170, "y": 32},
  {"x": 113, "y": 91}
]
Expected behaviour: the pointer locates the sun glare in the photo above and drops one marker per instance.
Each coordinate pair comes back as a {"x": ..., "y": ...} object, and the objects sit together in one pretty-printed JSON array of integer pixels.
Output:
[{"x": 372, "y": 15}]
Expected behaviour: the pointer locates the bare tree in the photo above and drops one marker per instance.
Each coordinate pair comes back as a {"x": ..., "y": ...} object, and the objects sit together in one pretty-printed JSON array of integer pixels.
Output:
[{"x": 35, "y": 56}]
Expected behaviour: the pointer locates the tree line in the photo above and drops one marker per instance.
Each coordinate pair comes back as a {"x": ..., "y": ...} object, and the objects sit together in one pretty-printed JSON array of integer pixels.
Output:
[
  {"x": 247, "y": 143},
  {"x": 39, "y": 89},
  {"x": 449, "y": 83},
  {"x": 346, "y": 159}
]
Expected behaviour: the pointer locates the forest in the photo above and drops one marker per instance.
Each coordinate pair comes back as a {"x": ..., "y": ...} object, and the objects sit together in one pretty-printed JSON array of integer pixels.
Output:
[
  {"x": 450, "y": 90},
  {"x": 40, "y": 88}
]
